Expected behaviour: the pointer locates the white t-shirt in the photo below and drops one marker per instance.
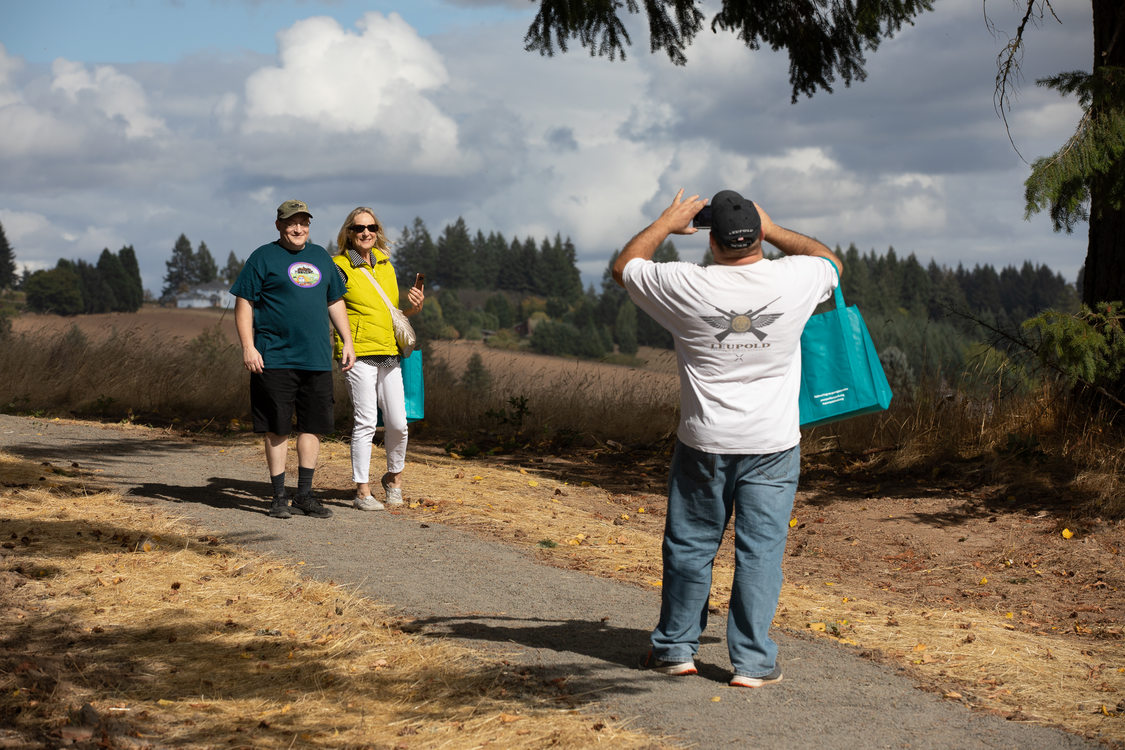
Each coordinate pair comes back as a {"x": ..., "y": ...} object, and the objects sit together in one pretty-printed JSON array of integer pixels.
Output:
[{"x": 737, "y": 331}]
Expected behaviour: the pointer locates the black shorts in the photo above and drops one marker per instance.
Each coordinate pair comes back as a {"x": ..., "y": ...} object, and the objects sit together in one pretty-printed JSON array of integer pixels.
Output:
[{"x": 275, "y": 393}]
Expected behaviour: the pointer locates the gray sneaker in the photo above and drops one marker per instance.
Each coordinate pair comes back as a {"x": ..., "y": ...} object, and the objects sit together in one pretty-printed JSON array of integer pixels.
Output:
[
  {"x": 741, "y": 680},
  {"x": 394, "y": 494},
  {"x": 308, "y": 505},
  {"x": 673, "y": 668},
  {"x": 367, "y": 503}
]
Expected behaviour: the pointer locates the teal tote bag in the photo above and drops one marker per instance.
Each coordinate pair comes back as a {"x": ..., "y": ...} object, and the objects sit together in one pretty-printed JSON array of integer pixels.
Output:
[
  {"x": 841, "y": 375},
  {"x": 412, "y": 385}
]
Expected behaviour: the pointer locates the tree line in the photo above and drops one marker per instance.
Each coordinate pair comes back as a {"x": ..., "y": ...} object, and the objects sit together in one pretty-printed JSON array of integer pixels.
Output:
[
  {"x": 74, "y": 287},
  {"x": 926, "y": 320},
  {"x": 112, "y": 284}
]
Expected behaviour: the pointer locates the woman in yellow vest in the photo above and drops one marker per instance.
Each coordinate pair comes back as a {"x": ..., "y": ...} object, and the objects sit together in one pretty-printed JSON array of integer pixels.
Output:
[{"x": 375, "y": 381}]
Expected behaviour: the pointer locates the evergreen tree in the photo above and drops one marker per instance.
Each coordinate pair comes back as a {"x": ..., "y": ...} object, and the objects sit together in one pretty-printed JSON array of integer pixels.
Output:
[
  {"x": 476, "y": 379},
  {"x": 529, "y": 266},
  {"x": 8, "y": 276},
  {"x": 180, "y": 268},
  {"x": 823, "y": 41},
  {"x": 512, "y": 275},
  {"x": 97, "y": 296},
  {"x": 114, "y": 276},
  {"x": 455, "y": 257},
  {"x": 500, "y": 306},
  {"x": 914, "y": 288},
  {"x": 1085, "y": 179},
  {"x": 858, "y": 286},
  {"x": 666, "y": 253},
  {"x": 558, "y": 273},
  {"x": 612, "y": 296},
  {"x": 205, "y": 270},
  {"x": 416, "y": 253},
  {"x": 489, "y": 255},
  {"x": 625, "y": 329},
  {"x": 55, "y": 291},
  {"x": 454, "y": 312},
  {"x": 946, "y": 294},
  {"x": 128, "y": 258},
  {"x": 232, "y": 268},
  {"x": 430, "y": 323}
]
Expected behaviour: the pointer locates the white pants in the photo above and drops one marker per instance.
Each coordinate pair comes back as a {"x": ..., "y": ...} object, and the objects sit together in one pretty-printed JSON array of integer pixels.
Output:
[{"x": 374, "y": 388}]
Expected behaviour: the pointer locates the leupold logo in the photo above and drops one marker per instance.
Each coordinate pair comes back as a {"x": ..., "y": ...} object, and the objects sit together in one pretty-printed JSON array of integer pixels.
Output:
[
  {"x": 748, "y": 322},
  {"x": 304, "y": 275}
]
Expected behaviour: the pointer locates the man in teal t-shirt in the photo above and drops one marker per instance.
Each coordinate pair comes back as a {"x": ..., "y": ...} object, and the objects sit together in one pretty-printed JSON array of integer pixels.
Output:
[{"x": 288, "y": 297}]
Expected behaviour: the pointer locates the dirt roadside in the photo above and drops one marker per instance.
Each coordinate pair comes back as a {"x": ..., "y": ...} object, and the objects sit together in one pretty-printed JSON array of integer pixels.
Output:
[{"x": 577, "y": 627}]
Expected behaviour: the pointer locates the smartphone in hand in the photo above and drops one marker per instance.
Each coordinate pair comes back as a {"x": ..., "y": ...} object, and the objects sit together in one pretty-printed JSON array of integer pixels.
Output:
[{"x": 419, "y": 280}]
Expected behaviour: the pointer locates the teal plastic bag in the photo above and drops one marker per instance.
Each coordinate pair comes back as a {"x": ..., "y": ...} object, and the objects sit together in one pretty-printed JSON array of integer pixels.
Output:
[
  {"x": 412, "y": 384},
  {"x": 841, "y": 375}
]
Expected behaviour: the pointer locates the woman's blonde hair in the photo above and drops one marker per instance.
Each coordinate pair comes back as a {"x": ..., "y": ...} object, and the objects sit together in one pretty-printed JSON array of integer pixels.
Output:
[{"x": 343, "y": 239}]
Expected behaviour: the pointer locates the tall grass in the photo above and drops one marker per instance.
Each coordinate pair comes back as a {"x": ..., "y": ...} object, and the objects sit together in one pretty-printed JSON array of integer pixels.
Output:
[
  {"x": 1040, "y": 437},
  {"x": 526, "y": 398},
  {"x": 123, "y": 375}
]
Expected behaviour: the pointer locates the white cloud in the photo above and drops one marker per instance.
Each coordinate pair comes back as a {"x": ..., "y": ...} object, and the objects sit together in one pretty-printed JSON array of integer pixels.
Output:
[
  {"x": 22, "y": 225},
  {"x": 9, "y": 66},
  {"x": 114, "y": 94},
  {"x": 370, "y": 81},
  {"x": 29, "y": 132}
]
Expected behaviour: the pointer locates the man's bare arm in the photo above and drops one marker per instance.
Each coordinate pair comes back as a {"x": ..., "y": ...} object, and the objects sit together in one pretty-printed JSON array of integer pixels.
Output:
[
  {"x": 244, "y": 324},
  {"x": 676, "y": 219},
  {"x": 795, "y": 243}
]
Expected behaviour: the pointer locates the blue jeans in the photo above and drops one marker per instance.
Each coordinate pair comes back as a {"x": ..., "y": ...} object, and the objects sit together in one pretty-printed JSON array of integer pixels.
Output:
[{"x": 703, "y": 490}]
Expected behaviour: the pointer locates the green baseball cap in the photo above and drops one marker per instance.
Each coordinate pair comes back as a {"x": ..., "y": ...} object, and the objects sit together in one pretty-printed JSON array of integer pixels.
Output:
[{"x": 290, "y": 208}]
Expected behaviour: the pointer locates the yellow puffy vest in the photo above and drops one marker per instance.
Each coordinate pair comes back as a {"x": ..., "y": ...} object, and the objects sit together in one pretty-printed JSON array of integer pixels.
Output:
[{"x": 368, "y": 316}]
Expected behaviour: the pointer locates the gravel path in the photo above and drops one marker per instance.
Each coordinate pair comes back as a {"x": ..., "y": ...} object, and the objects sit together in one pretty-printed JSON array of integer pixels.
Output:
[{"x": 564, "y": 623}]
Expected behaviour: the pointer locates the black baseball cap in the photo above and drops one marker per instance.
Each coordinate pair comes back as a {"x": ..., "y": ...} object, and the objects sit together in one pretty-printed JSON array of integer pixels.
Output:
[{"x": 735, "y": 222}]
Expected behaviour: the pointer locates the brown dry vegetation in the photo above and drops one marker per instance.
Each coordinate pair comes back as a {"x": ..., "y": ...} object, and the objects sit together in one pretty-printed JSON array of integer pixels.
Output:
[
  {"x": 164, "y": 322},
  {"x": 124, "y": 628},
  {"x": 976, "y": 542}
]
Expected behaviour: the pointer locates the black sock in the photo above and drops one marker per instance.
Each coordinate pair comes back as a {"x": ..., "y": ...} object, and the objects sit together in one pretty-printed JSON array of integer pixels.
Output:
[
  {"x": 304, "y": 480},
  {"x": 278, "y": 485}
]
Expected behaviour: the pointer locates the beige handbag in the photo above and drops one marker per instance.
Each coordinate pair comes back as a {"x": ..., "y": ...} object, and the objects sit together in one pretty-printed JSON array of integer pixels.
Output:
[{"x": 404, "y": 332}]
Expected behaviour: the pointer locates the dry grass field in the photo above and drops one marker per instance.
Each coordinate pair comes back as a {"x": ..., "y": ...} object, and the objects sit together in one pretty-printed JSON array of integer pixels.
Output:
[{"x": 169, "y": 322}]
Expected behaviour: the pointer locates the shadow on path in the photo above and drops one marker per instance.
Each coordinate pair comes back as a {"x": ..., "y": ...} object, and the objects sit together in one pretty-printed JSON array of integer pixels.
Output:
[
  {"x": 222, "y": 493},
  {"x": 621, "y": 646}
]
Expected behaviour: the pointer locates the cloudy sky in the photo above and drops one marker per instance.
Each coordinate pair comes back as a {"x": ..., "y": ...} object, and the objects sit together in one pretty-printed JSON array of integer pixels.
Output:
[{"x": 133, "y": 121}]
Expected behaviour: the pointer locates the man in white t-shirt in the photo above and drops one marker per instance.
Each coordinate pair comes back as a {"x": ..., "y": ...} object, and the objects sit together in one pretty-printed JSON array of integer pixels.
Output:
[{"x": 737, "y": 328}]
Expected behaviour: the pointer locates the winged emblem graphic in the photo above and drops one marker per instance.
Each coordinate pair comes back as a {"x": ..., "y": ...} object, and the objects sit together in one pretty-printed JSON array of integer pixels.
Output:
[{"x": 748, "y": 322}]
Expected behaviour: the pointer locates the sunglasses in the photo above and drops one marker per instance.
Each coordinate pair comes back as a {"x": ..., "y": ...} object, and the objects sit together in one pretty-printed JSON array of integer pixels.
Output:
[{"x": 357, "y": 228}]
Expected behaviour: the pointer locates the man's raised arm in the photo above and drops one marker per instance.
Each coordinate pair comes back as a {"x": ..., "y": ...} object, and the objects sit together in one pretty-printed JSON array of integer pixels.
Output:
[{"x": 676, "y": 219}]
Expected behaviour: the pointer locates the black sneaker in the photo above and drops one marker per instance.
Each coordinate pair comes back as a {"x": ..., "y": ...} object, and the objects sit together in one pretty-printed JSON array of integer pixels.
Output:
[
  {"x": 280, "y": 507},
  {"x": 308, "y": 505}
]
